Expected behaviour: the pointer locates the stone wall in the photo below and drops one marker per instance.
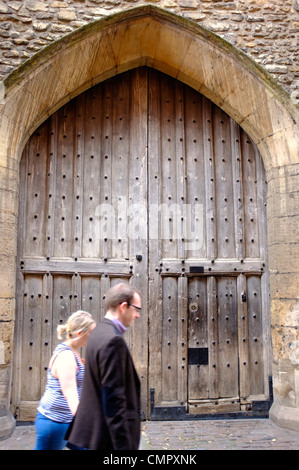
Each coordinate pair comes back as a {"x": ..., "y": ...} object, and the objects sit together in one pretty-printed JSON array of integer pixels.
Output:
[{"x": 267, "y": 31}]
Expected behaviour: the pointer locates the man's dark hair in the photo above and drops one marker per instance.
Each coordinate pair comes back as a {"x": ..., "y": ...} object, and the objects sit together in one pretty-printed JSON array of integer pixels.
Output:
[{"x": 119, "y": 293}]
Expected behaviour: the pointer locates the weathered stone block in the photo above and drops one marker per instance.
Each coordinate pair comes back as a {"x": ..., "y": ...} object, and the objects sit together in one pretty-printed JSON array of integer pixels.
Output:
[{"x": 67, "y": 15}]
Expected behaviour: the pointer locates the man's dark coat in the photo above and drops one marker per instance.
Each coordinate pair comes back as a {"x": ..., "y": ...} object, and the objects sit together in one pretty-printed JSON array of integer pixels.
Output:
[{"x": 108, "y": 416}]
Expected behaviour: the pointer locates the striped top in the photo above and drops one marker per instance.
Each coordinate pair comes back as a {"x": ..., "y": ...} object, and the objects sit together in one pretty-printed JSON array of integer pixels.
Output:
[{"x": 53, "y": 404}]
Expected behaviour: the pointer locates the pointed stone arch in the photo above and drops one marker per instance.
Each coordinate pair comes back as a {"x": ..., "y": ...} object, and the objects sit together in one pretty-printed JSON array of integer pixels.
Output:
[
  {"x": 164, "y": 41},
  {"x": 156, "y": 38}
]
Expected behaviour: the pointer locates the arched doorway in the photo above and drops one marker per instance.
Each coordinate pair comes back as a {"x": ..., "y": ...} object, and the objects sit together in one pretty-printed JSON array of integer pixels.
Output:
[{"x": 144, "y": 179}]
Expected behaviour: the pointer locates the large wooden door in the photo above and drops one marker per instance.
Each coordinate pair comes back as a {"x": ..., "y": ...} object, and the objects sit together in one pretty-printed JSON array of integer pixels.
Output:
[
  {"x": 208, "y": 284},
  {"x": 80, "y": 172},
  {"x": 141, "y": 178}
]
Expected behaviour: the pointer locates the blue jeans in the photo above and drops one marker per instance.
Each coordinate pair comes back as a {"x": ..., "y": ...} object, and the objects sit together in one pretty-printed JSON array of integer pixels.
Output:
[{"x": 49, "y": 434}]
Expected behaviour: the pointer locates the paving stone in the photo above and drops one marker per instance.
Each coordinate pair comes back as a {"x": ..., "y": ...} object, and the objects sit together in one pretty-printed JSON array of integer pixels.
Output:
[{"x": 243, "y": 434}]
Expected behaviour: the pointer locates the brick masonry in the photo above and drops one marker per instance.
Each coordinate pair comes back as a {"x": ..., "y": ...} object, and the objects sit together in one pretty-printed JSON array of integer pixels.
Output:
[{"x": 267, "y": 31}]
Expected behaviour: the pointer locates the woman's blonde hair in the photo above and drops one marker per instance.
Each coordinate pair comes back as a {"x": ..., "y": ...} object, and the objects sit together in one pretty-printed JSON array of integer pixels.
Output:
[{"x": 78, "y": 321}]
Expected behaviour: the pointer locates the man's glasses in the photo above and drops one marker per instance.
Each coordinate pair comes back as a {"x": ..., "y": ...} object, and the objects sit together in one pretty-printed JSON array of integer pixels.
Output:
[{"x": 134, "y": 306}]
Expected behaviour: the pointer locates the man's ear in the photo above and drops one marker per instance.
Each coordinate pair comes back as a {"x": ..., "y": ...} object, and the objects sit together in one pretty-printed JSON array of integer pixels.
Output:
[{"x": 122, "y": 306}]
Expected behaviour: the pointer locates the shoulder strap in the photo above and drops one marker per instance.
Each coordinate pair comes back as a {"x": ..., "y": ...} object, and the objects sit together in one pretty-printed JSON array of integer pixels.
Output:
[{"x": 59, "y": 348}]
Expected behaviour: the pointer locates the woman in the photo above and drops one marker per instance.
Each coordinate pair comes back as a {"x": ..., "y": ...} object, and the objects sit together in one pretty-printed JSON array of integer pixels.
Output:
[{"x": 64, "y": 382}]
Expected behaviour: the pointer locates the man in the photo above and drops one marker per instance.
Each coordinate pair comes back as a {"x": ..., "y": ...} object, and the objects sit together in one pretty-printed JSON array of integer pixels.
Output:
[{"x": 108, "y": 416}]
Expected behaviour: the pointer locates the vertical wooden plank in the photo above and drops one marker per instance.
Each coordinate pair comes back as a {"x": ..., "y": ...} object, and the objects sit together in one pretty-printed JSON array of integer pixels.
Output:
[
  {"x": 36, "y": 192},
  {"x": 252, "y": 244},
  {"x": 170, "y": 223},
  {"x": 182, "y": 340},
  {"x": 31, "y": 339},
  {"x": 106, "y": 215},
  {"x": 64, "y": 188},
  {"x": 92, "y": 172},
  {"x": 213, "y": 337},
  {"x": 237, "y": 179},
  {"x": 138, "y": 213},
  {"x": 81, "y": 189},
  {"x": 195, "y": 174},
  {"x": 121, "y": 164},
  {"x": 198, "y": 377},
  {"x": 91, "y": 296},
  {"x": 227, "y": 337},
  {"x": 169, "y": 340},
  {"x": 51, "y": 191},
  {"x": 244, "y": 337},
  {"x": 210, "y": 232},
  {"x": 224, "y": 186},
  {"x": 184, "y": 217},
  {"x": 137, "y": 231},
  {"x": 75, "y": 297},
  {"x": 46, "y": 328},
  {"x": 105, "y": 286},
  {"x": 62, "y": 297},
  {"x": 155, "y": 240},
  {"x": 256, "y": 380}
]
